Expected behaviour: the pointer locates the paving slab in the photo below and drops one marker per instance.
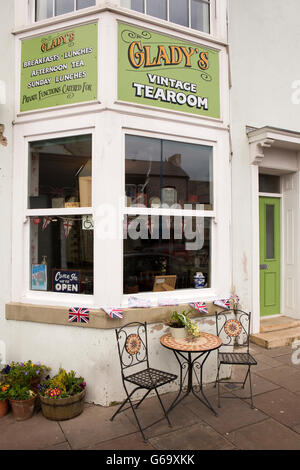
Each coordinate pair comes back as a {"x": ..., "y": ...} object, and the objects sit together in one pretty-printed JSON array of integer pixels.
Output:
[
  {"x": 197, "y": 437},
  {"x": 265, "y": 435},
  {"x": 286, "y": 376},
  {"x": 150, "y": 411},
  {"x": 64, "y": 446},
  {"x": 281, "y": 405},
  {"x": 94, "y": 426},
  {"x": 130, "y": 442},
  {"x": 32, "y": 434},
  {"x": 233, "y": 414}
]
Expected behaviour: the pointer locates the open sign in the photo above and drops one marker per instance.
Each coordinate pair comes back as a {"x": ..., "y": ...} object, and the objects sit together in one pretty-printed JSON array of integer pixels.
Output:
[{"x": 65, "y": 280}]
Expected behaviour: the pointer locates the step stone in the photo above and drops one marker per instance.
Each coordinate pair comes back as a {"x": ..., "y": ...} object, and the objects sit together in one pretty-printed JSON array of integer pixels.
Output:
[
  {"x": 276, "y": 339},
  {"x": 278, "y": 323}
]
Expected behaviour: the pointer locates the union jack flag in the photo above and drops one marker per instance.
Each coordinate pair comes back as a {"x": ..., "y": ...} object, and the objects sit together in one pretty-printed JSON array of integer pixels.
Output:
[
  {"x": 67, "y": 226},
  {"x": 79, "y": 315},
  {"x": 201, "y": 306},
  {"x": 224, "y": 303},
  {"x": 113, "y": 312},
  {"x": 46, "y": 222}
]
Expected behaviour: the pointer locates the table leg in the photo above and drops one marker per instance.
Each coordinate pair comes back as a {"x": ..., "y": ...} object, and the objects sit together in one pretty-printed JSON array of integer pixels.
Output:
[
  {"x": 190, "y": 366},
  {"x": 199, "y": 366}
]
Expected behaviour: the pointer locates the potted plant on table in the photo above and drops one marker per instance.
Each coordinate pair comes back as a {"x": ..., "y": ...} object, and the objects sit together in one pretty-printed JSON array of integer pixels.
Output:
[
  {"x": 4, "y": 403},
  {"x": 181, "y": 325},
  {"x": 62, "y": 396},
  {"x": 22, "y": 401}
]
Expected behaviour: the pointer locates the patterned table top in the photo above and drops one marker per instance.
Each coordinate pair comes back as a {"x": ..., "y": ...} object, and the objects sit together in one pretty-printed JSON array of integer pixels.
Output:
[{"x": 204, "y": 342}]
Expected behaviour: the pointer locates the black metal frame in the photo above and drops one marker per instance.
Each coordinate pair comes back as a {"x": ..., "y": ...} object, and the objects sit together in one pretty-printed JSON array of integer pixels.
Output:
[
  {"x": 186, "y": 362},
  {"x": 235, "y": 340},
  {"x": 147, "y": 378}
]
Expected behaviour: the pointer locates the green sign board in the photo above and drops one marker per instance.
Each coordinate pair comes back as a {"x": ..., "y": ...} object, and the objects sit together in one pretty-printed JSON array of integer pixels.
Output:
[
  {"x": 59, "y": 68},
  {"x": 157, "y": 70}
]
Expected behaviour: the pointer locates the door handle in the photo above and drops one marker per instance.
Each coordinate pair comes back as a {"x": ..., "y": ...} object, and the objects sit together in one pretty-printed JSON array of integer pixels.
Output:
[{"x": 263, "y": 266}]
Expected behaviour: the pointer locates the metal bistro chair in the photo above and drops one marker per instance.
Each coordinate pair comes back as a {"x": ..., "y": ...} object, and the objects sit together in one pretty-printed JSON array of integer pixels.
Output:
[
  {"x": 233, "y": 326},
  {"x": 133, "y": 351}
]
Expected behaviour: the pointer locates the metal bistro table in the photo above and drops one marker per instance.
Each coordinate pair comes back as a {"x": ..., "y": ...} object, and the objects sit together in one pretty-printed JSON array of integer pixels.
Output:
[{"x": 190, "y": 367}]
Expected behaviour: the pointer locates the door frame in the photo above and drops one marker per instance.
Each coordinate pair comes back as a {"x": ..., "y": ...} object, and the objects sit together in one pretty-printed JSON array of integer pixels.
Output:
[{"x": 273, "y": 196}]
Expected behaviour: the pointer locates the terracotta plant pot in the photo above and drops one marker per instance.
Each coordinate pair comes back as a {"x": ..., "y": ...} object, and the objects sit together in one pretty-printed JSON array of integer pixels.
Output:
[
  {"x": 22, "y": 409},
  {"x": 60, "y": 409},
  {"x": 178, "y": 333},
  {"x": 3, "y": 407}
]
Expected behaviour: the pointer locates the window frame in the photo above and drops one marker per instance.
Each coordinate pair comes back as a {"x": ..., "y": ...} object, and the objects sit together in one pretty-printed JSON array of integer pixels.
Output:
[
  {"x": 32, "y": 10},
  {"x": 50, "y": 297},
  {"x": 183, "y": 295},
  {"x": 212, "y": 13}
]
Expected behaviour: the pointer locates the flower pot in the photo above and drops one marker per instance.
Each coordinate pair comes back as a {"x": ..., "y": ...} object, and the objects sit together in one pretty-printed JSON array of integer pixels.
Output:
[
  {"x": 178, "y": 333},
  {"x": 60, "y": 409},
  {"x": 3, "y": 407},
  {"x": 22, "y": 409}
]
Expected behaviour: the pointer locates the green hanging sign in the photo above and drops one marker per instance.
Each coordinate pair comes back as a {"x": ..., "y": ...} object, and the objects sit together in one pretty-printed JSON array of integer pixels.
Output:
[
  {"x": 157, "y": 70},
  {"x": 59, "y": 68}
]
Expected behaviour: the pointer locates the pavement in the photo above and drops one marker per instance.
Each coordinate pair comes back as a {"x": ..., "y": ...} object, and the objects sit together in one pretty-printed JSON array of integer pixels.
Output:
[{"x": 274, "y": 423}]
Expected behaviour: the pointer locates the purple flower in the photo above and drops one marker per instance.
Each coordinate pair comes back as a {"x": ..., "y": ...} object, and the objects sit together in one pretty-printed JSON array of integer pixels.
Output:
[
  {"x": 26, "y": 373},
  {"x": 38, "y": 363},
  {"x": 7, "y": 369},
  {"x": 37, "y": 372},
  {"x": 22, "y": 364}
]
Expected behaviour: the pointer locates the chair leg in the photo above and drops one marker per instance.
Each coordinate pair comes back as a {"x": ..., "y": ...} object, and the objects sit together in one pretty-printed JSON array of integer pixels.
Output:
[
  {"x": 252, "y": 406},
  {"x": 243, "y": 386},
  {"x": 163, "y": 408},
  {"x": 217, "y": 378},
  {"x": 122, "y": 405}
]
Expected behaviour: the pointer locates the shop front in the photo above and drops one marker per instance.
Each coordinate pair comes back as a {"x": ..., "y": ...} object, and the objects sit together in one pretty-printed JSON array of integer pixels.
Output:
[{"x": 121, "y": 187}]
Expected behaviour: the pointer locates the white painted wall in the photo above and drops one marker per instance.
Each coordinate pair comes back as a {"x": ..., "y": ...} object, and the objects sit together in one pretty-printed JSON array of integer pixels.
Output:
[
  {"x": 93, "y": 354},
  {"x": 264, "y": 44},
  {"x": 7, "y": 104}
]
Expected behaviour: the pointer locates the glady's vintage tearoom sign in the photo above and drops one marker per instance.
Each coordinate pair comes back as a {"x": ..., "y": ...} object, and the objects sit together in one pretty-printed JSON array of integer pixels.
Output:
[
  {"x": 157, "y": 70},
  {"x": 60, "y": 68}
]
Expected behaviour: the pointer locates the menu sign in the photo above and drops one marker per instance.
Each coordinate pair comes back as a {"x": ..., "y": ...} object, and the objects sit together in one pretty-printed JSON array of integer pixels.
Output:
[
  {"x": 158, "y": 70},
  {"x": 60, "y": 68}
]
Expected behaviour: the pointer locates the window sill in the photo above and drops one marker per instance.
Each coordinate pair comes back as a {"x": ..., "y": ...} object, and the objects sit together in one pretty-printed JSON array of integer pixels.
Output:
[{"x": 98, "y": 318}]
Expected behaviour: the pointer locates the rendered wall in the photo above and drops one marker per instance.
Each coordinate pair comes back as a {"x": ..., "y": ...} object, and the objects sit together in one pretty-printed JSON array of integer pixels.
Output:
[
  {"x": 264, "y": 46},
  {"x": 6, "y": 154}
]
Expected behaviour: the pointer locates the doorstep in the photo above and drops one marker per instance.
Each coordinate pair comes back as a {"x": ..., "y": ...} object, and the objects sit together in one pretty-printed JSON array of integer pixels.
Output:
[{"x": 277, "y": 332}]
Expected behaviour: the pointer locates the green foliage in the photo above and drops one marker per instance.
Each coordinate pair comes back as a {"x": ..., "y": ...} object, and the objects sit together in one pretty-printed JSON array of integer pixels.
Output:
[
  {"x": 4, "y": 391},
  {"x": 18, "y": 392},
  {"x": 24, "y": 373},
  {"x": 62, "y": 385},
  {"x": 178, "y": 319},
  {"x": 182, "y": 320}
]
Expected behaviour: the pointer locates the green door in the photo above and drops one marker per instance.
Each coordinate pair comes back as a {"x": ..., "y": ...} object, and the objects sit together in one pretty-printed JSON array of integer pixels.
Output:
[{"x": 269, "y": 221}]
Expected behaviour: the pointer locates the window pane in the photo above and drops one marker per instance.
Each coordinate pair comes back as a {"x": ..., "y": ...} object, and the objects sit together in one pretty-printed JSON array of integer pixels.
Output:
[
  {"x": 142, "y": 170},
  {"x": 63, "y": 6},
  {"x": 85, "y": 3},
  {"x": 60, "y": 172},
  {"x": 43, "y": 9},
  {"x": 269, "y": 231},
  {"x": 167, "y": 172},
  {"x": 200, "y": 16},
  {"x": 61, "y": 254},
  {"x": 188, "y": 169},
  {"x": 269, "y": 184},
  {"x": 157, "y": 8},
  {"x": 179, "y": 12},
  {"x": 137, "y": 5},
  {"x": 174, "y": 248}
]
